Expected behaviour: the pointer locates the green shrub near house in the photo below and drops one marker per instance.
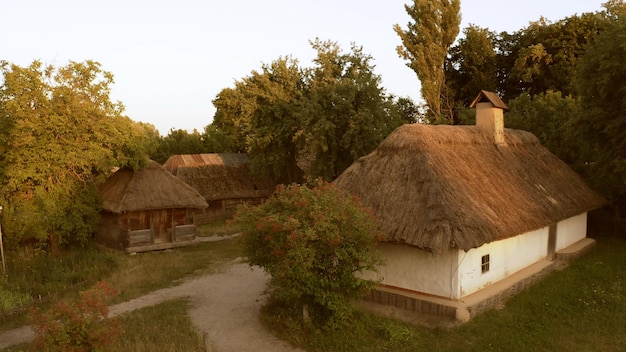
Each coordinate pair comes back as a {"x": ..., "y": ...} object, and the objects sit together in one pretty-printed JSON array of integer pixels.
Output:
[{"x": 313, "y": 241}]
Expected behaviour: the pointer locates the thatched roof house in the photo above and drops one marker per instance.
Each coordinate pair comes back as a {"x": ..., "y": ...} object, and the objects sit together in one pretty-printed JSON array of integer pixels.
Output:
[
  {"x": 147, "y": 189},
  {"x": 465, "y": 207},
  {"x": 147, "y": 208},
  {"x": 224, "y": 180},
  {"x": 440, "y": 187}
]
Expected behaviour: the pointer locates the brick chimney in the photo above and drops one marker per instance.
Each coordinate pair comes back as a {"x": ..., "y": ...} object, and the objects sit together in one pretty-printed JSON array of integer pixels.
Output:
[{"x": 490, "y": 115}]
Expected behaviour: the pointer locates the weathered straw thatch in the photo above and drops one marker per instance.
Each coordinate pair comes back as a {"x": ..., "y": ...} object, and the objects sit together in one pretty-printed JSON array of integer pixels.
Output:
[
  {"x": 219, "y": 176},
  {"x": 436, "y": 187},
  {"x": 146, "y": 189}
]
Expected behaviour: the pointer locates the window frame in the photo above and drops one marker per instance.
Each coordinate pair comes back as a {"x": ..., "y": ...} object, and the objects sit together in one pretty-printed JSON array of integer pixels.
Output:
[{"x": 485, "y": 263}]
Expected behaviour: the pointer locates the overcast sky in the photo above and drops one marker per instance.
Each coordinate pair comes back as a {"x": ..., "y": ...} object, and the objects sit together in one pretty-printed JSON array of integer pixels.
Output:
[{"x": 171, "y": 58}]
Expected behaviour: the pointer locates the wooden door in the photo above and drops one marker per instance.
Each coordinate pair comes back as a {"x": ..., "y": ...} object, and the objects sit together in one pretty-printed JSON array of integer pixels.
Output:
[{"x": 161, "y": 224}]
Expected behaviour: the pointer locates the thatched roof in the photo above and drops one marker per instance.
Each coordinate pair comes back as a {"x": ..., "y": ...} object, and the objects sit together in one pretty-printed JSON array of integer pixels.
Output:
[
  {"x": 219, "y": 176},
  {"x": 150, "y": 188},
  {"x": 449, "y": 186}
]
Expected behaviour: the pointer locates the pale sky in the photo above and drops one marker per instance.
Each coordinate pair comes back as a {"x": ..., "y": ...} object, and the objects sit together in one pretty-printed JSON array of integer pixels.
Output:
[{"x": 171, "y": 58}]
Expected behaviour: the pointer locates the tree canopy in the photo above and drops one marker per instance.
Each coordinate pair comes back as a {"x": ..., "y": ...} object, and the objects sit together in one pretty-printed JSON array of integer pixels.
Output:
[
  {"x": 346, "y": 112},
  {"x": 563, "y": 81},
  {"x": 538, "y": 58},
  {"x": 291, "y": 120},
  {"x": 602, "y": 87},
  {"x": 471, "y": 65},
  {"x": 272, "y": 139},
  {"x": 61, "y": 135},
  {"x": 549, "y": 116},
  {"x": 179, "y": 141}
]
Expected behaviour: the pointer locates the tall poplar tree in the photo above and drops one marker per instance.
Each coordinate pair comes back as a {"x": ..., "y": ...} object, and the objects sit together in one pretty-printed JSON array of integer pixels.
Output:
[{"x": 425, "y": 45}]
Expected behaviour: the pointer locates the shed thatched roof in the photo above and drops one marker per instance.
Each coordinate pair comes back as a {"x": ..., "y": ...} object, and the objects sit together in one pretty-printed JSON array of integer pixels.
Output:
[
  {"x": 150, "y": 188},
  {"x": 436, "y": 187},
  {"x": 219, "y": 176}
]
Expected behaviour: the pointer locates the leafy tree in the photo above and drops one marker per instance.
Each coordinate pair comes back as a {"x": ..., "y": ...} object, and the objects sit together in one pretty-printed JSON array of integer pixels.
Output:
[
  {"x": 321, "y": 118},
  {"x": 548, "y": 116},
  {"x": 425, "y": 45},
  {"x": 272, "y": 142},
  {"x": 408, "y": 111},
  {"x": 234, "y": 109},
  {"x": 547, "y": 53},
  {"x": 471, "y": 67},
  {"x": 217, "y": 140},
  {"x": 534, "y": 59},
  {"x": 145, "y": 135},
  {"x": 61, "y": 136},
  {"x": 345, "y": 111},
  {"x": 601, "y": 83},
  {"x": 543, "y": 56},
  {"x": 531, "y": 63},
  {"x": 313, "y": 241},
  {"x": 261, "y": 116},
  {"x": 179, "y": 142}
]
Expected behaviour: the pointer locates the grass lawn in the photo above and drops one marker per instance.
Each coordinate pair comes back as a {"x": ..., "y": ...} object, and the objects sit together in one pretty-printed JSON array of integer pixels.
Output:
[
  {"x": 163, "y": 327},
  {"x": 60, "y": 277},
  {"x": 582, "y": 308},
  {"x": 219, "y": 227}
]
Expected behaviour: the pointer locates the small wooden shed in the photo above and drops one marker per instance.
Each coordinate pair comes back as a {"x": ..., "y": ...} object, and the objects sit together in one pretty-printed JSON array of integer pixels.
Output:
[
  {"x": 147, "y": 209},
  {"x": 224, "y": 180}
]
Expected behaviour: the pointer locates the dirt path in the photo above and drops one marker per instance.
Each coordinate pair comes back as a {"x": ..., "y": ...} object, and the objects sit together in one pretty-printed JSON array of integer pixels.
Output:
[{"x": 223, "y": 306}]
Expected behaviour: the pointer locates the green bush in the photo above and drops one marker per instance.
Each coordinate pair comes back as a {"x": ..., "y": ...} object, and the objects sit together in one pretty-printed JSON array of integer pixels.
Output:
[
  {"x": 81, "y": 326},
  {"x": 313, "y": 241}
]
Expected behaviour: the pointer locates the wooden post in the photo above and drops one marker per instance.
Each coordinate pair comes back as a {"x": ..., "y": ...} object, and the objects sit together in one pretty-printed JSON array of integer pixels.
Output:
[{"x": 4, "y": 267}]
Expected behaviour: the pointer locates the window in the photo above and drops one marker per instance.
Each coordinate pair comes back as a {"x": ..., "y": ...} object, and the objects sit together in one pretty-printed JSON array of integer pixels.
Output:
[{"x": 484, "y": 263}]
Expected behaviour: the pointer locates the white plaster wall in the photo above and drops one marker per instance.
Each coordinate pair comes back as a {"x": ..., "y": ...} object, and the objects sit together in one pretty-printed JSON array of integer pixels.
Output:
[
  {"x": 570, "y": 231},
  {"x": 456, "y": 274},
  {"x": 507, "y": 257},
  {"x": 418, "y": 270}
]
